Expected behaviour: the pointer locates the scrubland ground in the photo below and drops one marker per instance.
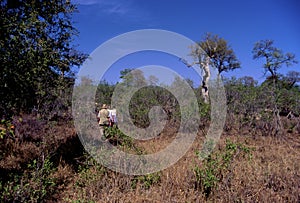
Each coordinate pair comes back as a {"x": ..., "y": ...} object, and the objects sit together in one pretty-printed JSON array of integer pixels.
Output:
[
  {"x": 50, "y": 165},
  {"x": 268, "y": 173}
]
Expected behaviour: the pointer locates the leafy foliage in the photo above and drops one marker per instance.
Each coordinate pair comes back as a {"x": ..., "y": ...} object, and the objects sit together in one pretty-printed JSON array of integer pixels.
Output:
[
  {"x": 104, "y": 93},
  {"x": 33, "y": 186},
  {"x": 275, "y": 58},
  {"x": 216, "y": 165},
  {"x": 6, "y": 129},
  {"x": 36, "y": 52},
  {"x": 146, "y": 180},
  {"x": 117, "y": 137},
  {"x": 220, "y": 53},
  {"x": 252, "y": 106}
]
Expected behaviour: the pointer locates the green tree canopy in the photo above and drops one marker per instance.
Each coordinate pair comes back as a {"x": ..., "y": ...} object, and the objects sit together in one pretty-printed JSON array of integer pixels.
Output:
[
  {"x": 274, "y": 58},
  {"x": 220, "y": 53},
  {"x": 36, "y": 50}
]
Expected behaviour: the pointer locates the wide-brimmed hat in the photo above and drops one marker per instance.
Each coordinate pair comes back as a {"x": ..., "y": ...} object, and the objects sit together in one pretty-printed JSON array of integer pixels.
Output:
[{"x": 104, "y": 106}]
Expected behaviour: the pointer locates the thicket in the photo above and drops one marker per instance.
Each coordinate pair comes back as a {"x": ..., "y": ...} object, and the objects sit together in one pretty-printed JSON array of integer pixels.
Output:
[
  {"x": 261, "y": 109},
  {"x": 253, "y": 108}
]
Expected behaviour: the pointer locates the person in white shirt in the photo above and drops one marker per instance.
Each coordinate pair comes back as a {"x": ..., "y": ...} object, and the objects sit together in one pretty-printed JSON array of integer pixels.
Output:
[{"x": 113, "y": 117}]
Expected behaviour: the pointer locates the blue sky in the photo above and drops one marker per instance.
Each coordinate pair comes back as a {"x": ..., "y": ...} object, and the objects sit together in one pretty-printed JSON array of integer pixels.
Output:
[{"x": 241, "y": 23}]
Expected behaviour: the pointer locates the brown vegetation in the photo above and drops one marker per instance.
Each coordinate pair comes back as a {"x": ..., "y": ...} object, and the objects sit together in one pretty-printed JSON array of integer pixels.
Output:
[{"x": 268, "y": 172}]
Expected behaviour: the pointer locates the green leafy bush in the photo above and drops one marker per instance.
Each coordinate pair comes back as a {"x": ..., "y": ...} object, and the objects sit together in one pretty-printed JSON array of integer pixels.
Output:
[
  {"x": 35, "y": 185},
  {"x": 146, "y": 181},
  {"x": 215, "y": 166},
  {"x": 117, "y": 137}
]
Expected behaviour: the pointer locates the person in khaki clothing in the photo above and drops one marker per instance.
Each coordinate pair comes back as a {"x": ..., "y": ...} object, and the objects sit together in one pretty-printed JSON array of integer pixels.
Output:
[{"x": 103, "y": 116}]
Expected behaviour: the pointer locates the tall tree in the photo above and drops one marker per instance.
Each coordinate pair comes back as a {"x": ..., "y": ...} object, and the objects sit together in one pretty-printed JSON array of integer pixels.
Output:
[
  {"x": 36, "y": 52},
  {"x": 213, "y": 50},
  {"x": 219, "y": 51}
]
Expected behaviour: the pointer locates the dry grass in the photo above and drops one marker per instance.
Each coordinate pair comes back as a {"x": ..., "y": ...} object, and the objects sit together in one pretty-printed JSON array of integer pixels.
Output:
[{"x": 272, "y": 175}]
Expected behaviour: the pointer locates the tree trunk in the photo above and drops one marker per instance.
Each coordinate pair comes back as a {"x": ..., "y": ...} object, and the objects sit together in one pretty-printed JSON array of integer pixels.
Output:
[{"x": 206, "y": 77}]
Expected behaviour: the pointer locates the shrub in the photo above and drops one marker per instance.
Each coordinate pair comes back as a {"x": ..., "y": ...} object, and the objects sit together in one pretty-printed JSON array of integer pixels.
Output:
[
  {"x": 35, "y": 185},
  {"x": 215, "y": 166},
  {"x": 146, "y": 181}
]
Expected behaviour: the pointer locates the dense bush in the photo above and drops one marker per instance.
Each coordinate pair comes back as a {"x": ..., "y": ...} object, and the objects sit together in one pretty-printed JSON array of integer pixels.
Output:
[
  {"x": 259, "y": 108},
  {"x": 252, "y": 108}
]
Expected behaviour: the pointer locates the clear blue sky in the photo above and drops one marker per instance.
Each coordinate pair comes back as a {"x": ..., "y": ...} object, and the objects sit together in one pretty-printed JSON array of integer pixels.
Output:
[{"x": 241, "y": 23}]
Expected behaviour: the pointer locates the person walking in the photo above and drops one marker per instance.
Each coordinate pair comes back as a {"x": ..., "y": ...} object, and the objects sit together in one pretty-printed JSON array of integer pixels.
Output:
[
  {"x": 113, "y": 118},
  {"x": 103, "y": 116}
]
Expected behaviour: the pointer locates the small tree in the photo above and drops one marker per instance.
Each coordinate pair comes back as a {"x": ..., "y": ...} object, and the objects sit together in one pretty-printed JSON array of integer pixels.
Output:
[{"x": 274, "y": 58}]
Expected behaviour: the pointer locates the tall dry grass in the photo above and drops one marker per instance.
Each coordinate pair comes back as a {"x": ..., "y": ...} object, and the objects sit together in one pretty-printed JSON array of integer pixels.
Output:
[{"x": 271, "y": 175}]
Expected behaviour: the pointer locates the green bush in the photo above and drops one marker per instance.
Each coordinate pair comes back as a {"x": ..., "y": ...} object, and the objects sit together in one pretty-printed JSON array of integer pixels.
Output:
[
  {"x": 216, "y": 164},
  {"x": 117, "y": 137},
  {"x": 35, "y": 185},
  {"x": 146, "y": 181}
]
